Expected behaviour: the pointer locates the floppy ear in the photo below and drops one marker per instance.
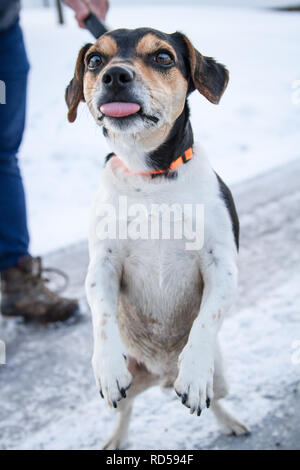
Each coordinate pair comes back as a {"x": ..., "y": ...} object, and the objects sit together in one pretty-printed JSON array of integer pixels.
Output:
[
  {"x": 74, "y": 91},
  {"x": 208, "y": 76}
]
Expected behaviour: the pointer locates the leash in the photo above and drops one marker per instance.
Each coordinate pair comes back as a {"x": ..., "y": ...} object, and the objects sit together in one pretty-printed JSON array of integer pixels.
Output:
[{"x": 95, "y": 26}]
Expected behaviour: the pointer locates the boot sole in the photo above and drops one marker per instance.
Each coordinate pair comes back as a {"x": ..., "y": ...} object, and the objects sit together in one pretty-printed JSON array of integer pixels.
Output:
[{"x": 42, "y": 320}]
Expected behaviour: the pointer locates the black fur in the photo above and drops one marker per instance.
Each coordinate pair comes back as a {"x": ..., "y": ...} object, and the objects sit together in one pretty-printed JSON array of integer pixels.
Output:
[
  {"x": 180, "y": 139},
  {"x": 214, "y": 76},
  {"x": 108, "y": 157},
  {"x": 229, "y": 202}
]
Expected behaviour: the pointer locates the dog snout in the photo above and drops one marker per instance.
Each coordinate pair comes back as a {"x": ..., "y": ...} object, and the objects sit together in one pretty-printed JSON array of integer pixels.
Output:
[{"x": 117, "y": 78}]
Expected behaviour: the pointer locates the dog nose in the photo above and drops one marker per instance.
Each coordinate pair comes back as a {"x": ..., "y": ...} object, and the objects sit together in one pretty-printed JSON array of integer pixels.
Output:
[{"x": 117, "y": 77}]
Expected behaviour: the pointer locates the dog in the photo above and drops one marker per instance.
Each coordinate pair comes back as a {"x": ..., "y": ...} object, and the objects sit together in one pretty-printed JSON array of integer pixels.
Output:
[{"x": 157, "y": 306}]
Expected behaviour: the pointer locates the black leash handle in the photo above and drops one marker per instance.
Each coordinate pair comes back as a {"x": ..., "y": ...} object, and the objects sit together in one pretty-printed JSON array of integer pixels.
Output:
[{"x": 95, "y": 26}]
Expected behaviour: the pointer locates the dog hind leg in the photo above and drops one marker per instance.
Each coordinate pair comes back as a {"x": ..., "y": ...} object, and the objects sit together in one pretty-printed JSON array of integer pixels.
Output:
[
  {"x": 119, "y": 434},
  {"x": 228, "y": 423},
  {"x": 220, "y": 382}
]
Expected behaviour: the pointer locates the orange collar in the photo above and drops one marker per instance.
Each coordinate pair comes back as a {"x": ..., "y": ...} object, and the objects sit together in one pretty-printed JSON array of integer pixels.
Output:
[{"x": 188, "y": 155}]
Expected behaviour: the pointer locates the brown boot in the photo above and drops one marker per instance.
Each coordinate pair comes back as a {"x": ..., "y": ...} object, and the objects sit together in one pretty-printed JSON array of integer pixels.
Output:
[{"x": 24, "y": 294}]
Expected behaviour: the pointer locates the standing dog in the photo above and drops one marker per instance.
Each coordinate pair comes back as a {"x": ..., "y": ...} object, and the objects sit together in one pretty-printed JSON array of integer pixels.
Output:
[{"x": 157, "y": 307}]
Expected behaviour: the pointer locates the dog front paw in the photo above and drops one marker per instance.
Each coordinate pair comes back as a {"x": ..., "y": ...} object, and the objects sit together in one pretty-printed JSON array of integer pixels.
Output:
[
  {"x": 112, "y": 377},
  {"x": 194, "y": 384}
]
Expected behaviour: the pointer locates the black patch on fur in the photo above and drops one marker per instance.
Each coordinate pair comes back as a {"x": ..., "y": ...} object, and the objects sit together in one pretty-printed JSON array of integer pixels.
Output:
[
  {"x": 108, "y": 157},
  {"x": 229, "y": 202},
  {"x": 127, "y": 39},
  {"x": 179, "y": 139},
  {"x": 214, "y": 75},
  {"x": 169, "y": 175},
  {"x": 209, "y": 77}
]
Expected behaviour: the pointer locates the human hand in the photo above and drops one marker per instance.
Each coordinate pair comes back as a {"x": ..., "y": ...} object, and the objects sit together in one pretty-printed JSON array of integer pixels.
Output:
[{"x": 83, "y": 8}]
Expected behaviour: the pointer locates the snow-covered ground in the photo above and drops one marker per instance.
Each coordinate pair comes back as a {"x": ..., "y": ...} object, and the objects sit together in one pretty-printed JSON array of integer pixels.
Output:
[
  {"x": 48, "y": 394},
  {"x": 255, "y": 128}
]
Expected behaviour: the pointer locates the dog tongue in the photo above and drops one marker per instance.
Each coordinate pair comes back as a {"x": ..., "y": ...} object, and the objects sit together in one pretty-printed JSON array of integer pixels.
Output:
[{"x": 119, "y": 109}]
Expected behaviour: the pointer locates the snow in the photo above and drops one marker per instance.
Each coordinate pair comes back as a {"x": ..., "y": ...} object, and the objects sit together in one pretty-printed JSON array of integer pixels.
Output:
[
  {"x": 48, "y": 395},
  {"x": 255, "y": 128},
  {"x": 159, "y": 420}
]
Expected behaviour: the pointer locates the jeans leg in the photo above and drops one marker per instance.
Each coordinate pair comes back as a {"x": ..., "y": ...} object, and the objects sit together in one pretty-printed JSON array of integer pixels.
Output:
[{"x": 14, "y": 67}]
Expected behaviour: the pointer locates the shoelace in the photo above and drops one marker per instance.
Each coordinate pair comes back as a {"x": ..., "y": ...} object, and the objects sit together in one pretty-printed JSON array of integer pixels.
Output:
[
  {"x": 59, "y": 273},
  {"x": 37, "y": 274}
]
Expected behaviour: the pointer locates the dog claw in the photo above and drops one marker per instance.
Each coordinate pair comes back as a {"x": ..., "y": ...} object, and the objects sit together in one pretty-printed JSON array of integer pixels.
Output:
[
  {"x": 177, "y": 393},
  {"x": 184, "y": 398},
  {"x": 208, "y": 402},
  {"x": 199, "y": 411},
  {"x": 123, "y": 392},
  {"x": 101, "y": 394},
  {"x": 114, "y": 403},
  {"x": 192, "y": 411}
]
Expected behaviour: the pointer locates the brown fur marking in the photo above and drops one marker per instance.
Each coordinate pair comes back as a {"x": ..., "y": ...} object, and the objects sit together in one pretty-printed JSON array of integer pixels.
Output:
[
  {"x": 151, "y": 43},
  {"x": 106, "y": 46}
]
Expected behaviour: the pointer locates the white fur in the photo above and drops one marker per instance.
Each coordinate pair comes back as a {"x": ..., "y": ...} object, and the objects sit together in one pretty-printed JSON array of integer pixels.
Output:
[{"x": 161, "y": 276}]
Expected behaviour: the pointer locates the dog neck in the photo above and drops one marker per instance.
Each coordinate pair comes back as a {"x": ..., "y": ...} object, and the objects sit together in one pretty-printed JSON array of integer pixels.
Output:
[
  {"x": 157, "y": 149},
  {"x": 180, "y": 138}
]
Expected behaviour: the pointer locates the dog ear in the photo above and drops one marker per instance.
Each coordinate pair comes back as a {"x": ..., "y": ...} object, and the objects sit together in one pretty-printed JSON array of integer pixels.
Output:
[
  {"x": 208, "y": 76},
  {"x": 74, "y": 91}
]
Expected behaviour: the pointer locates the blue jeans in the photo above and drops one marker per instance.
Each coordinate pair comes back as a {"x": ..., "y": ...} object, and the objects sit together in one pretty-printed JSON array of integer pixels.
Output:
[{"x": 14, "y": 68}]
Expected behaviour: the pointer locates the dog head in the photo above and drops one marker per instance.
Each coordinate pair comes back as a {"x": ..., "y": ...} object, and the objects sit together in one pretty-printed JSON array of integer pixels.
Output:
[{"x": 136, "y": 82}]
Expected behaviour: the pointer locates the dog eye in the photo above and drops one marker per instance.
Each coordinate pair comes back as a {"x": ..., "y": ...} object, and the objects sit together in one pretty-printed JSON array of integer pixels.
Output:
[
  {"x": 163, "y": 58},
  {"x": 94, "y": 62}
]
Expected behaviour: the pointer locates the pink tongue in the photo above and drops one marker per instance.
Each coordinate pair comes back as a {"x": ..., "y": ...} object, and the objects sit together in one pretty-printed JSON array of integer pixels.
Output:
[{"x": 119, "y": 109}]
